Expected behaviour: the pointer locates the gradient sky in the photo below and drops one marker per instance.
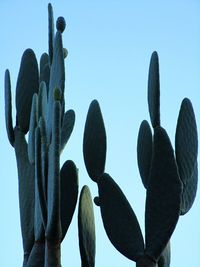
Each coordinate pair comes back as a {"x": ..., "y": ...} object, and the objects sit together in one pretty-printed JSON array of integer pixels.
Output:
[{"x": 109, "y": 44}]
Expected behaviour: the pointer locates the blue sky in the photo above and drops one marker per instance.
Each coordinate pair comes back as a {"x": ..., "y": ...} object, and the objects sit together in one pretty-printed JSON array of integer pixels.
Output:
[{"x": 109, "y": 44}]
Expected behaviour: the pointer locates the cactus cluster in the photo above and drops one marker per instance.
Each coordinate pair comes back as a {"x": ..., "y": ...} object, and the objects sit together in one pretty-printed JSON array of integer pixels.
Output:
[
  {"x": 48, "y": 193},
  {"x": 169, "y": 176}
]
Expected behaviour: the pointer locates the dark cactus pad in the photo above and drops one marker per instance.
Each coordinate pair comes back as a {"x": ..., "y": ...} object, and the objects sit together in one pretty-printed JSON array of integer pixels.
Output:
[
  {"x": 186, "y": 143},
  {"x": 45, "y": 70},
  {"x": 94, "y": 142},
  {"x": 51, "y": 32},
  {"x": 69, "y": 194},
  {"x": 120, "y": 221},
  {"x": 8, "y": 108},
  {"x": 86, "y": 228},
  {"x": 163, "y": 196},
  {"x": 60, "y": 24},
  {"x": 144, "y": 151},
  {"x": 154, "y": 90},
  {"x": 67, "y": 127},
  {"x": 27, "y": 85}
]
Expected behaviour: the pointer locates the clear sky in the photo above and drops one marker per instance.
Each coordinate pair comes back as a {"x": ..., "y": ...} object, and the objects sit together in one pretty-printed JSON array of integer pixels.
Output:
[{"x": 109, "y": 44}]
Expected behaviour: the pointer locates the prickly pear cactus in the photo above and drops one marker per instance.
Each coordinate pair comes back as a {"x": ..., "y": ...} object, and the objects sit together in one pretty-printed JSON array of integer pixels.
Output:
[
  {"x": 47, "y": 192},
  {"x": 170, "y": 179}
]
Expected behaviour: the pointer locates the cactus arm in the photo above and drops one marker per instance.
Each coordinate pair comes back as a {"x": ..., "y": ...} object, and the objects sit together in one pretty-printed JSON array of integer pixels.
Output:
[
  {"x": 57, "y": 80},
  {"x": 53, "y": 230},
  {"x": 163, "y": 198},
  {"x": 27, "y": 85},
  {"x": 45, "y": 70},
  {"x": 69, "y": 194},
  {"x": 154, "y": 90},
  {"x": 67, "y": 127},
  {"x": 42, "y": 100},
  {"x": 86, "y": 228},
  {"x": 8, "y": 108},
  {"x": 51, "y": 32},
  {"x": 40, "y": 186},
  {"x": 32, "y": 127},
  {"x": 26, "y": 192},
  {"x": 186, "y": 144},
  {"x": 120, "y": 221},
  {"x": 94, "y": 142},
  {"x": 144, "y": 151}
]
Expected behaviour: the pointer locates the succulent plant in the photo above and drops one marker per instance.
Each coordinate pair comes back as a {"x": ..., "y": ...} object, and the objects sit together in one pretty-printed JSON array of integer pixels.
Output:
[
  {"x": 170, "y": 178},
  {"x": 47, "y": 193}
]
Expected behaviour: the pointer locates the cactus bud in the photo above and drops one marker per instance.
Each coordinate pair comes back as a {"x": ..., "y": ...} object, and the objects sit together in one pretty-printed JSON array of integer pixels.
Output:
[{"x": 60, "y": 24}]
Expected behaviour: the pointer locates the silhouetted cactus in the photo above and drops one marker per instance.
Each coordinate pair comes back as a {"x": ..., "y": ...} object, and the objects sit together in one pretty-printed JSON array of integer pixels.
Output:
[
  {"x": 47, "y": 193},
  {"x": 170, "y": 179}
]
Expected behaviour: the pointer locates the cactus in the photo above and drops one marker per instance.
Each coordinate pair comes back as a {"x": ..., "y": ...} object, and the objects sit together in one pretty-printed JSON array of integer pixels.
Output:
[
  {"x": 170, "y": 179},
  {"x": 47, "y": 193}
]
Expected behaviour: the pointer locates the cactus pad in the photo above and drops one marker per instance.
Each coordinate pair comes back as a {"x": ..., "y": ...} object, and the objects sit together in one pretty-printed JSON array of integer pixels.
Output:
[
  {"x": 86, "y": 228},
  {"x": 144, "y": 151},
  {"x": 120, "y": 221},
  {"x": 186, "y": 143},
  {"x": 163, "y": 198},
  {"x": 94, "y": 142},
  {"x": 154, "y": 90}
]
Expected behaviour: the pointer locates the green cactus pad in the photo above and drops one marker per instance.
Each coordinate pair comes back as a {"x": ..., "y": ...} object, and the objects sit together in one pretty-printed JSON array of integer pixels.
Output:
[
  {"x": 120, "y": 221},
  {"x": 45, "y": 69},
  {"x": 42, "y": 101},
  {"x": 57, "y": 79},
  {"x": 38, "y": 218},
  {"x": 186, "y": 143},
  {"x": 53, "y": 230},
  {"x": 86, "y": 228},
  {"x": 8, "y": 108},
  {"x": 27, "y": 85},
  {"x": 144, "y": 151},
  {"x": 32, "y": 127},
  {"x": 40, "y": 185},
  {"x": 165, "y": 258},
  {"x": 26, "y": 181},
  {"x": 57, "y": 72},
  {"x": 163, "y": 198},
  {"x": 44, "y": 154},
  {"x": 154, "y": 90},
  {"x": 67, "y": 127},
  {"x": 51, "y": 32},
  {"x": 69, "y": 194},
  {"x": 94, "y": 142}
]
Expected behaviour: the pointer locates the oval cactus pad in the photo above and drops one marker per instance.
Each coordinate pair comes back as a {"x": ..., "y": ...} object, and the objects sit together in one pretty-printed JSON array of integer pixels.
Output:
[
  {"x": 154, "y": 90},
  {"x": 186, "y": 143},
  {"x": 144, "y": 151},
  {"x": 119, "y": 219},
  {"x": 94, "y": 142},
  {"x": 86, "y": 228},
  {"x": 163, "y": 198}
]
